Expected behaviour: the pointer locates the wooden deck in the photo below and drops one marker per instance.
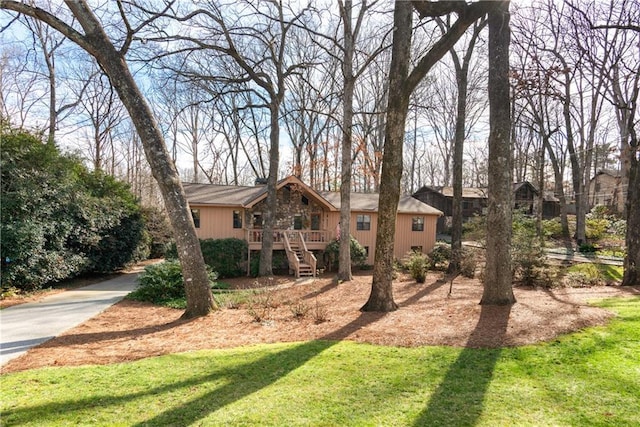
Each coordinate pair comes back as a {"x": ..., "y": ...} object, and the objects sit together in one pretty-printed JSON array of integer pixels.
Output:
[
  {"x": 313, "y": 239},
  {"x": 297, "y": 244}
]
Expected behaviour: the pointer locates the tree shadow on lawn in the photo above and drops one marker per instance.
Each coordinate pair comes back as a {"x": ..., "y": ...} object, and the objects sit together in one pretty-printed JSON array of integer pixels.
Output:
[
  {"x": 249, "y": 378},
  {"x": 239, "y": 382},
  {"x": 459, "y": 399}
]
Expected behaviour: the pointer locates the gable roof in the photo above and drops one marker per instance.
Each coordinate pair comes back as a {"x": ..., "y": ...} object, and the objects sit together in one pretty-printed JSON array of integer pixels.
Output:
[
  {"x": 368, "y": 202},
  {"x": 243, "y": 196},
  {"x": 248, "y": 196},
  {"x": 467, "y": 192},
  {"x": 291, "y": 180},
  {"x": 480, "y": 192},
  {"x": 220, "y": 195}
]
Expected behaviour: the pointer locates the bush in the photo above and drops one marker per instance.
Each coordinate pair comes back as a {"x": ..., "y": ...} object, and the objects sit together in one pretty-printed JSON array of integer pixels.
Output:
[
  {"x": 583, "y": 275},
  {"x": 595, "y": 229},
  {"x": 618, "y": 227},
  {"x": 475, "y": 228},
  {"x": 225, "y": 256},
  {"x": 58, "y": 219},
  {"x": 358, "y": 253},
  {"x": 599, "y": 222},
  {"x": 587, "y": 248},
  {"x": 440, "y": 256},
  {"x": 417, "y": 263},
  {"x": 528, "y": 255},
  {"x": 159, "y": 231},
  {"x": 552, "y": 228},
  {"x": 162, "y": 284},
  {"x": 468, "y": 263},
  {"x": 254, "y": 265}
]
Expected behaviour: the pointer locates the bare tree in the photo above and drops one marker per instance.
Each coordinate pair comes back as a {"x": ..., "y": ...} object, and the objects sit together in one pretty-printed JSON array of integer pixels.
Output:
[
  {"x": 250, "y": 39},
  {"x": 461, "y": 132},
  {"x": 370, "y": 99},
  {"x": 347, "y": 50},
  {"x": 498, "y": 288},
  {"x": 19, "y": 86},
  {"x": 92, "y": 38},
  {"x": 102, "y": 111},
  {"x": 541, "y": 110},
  {"x": 612, "y": 27},
  {"x": 402, "y": 83}
]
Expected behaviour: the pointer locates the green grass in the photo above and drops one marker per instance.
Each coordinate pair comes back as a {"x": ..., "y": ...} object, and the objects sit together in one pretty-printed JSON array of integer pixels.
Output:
[{"x": 588, "y": 378}]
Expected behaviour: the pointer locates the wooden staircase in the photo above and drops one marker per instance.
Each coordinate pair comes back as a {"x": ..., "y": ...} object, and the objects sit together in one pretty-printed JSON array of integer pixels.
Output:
[{"x": 302, "y": 262}]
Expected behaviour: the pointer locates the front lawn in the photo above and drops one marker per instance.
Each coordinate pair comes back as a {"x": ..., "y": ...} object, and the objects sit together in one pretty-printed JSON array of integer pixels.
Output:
[{"x": 588, "y": 378}]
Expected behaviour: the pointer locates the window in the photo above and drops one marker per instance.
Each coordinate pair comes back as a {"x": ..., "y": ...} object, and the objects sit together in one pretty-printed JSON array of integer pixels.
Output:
[
  {"x": 315, "y": 221},
  {"x": 297, "y": 222},
  {"x": 417, "y": 223},
  {"x": 257, "y": 220},
  {"x": 363, "y": 222},
  {"x": 195, "y": 214},
  {"x": 237, "y": 219}
]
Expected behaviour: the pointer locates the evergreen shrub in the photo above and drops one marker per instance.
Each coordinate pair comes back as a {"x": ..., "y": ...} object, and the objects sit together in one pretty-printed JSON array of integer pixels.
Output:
[
  {"x": 225, "y": 256},
  {"x": 417, "y": 264},
  {"x": 440, "y": 256},
  {"x": 59, "y": 220},
  {"x": 527, "y": 251},
  {"x": 358, "y": 253},
  {"x": 162, "y": 284}
]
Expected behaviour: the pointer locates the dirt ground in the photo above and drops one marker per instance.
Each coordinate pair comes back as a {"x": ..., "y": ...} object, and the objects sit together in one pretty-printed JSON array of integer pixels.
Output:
[{"x": 290, "y": 311}]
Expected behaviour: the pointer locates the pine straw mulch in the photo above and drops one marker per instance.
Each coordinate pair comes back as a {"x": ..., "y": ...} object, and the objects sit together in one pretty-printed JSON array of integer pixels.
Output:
[{"x": 427, "y": 315}]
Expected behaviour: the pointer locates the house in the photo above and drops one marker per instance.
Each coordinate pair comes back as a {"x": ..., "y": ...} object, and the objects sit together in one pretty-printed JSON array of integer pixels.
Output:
[
  {"x": 475, "y": 201},
  {"x": 306, "y": 220},
  {"x": 606, "y": 188}
]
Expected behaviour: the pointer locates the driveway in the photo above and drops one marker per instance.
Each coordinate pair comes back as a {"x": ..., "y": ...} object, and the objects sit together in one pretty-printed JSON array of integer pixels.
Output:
[{"x": 26, "y": 325}]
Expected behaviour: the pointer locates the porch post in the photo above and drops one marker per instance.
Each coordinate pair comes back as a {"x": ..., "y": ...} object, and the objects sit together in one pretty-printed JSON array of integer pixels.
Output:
[{"x": 248, "y": 253}]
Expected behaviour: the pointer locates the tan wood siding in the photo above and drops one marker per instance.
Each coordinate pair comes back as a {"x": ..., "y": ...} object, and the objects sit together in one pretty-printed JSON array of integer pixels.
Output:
[
  {"x": 217, "y": 222},
  {"x": 406, "y": 238},
  {"x": 367, "y": 238}
]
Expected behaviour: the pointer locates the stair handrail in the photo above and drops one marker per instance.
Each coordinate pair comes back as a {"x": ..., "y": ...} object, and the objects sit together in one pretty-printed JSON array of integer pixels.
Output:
[
  {"x": 294, "y": 263},
  {"x": 309, "y": 257}
]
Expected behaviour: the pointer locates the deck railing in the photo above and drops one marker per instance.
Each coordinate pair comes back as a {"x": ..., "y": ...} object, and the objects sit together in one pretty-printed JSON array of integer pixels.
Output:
[{"x": 308, "y": 236}]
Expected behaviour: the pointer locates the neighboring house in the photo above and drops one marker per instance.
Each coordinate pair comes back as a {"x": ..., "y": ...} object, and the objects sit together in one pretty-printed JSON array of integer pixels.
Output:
[
  {"x": 605, "y": 188},
  {"x": 305, "y": 219},
  {"x": 475, "y": 201}
]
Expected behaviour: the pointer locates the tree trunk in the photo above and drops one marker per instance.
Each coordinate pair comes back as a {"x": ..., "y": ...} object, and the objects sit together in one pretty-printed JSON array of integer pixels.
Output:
[
  {"x": 381, "y": 297},
  {"x": 576, "y": 168},
  {"x": 462, "y": 81},
  {"x": 498, "y": 276},
  {"x": 458, "y": 150},
  {"x": 199, "y": 298},
  {"x": 344, "y": 259},
  {"x": 401, "y": 85},
  {"x": 632, "y": 207},
  {"x": 95, "y": 41},
  {"x": 269, "y": 215},
  {"x": 559, "y": 189}
]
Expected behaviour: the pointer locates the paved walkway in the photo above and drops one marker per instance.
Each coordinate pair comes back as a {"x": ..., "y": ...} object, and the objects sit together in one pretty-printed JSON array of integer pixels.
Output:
[{"x": 26, "y": 325}]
